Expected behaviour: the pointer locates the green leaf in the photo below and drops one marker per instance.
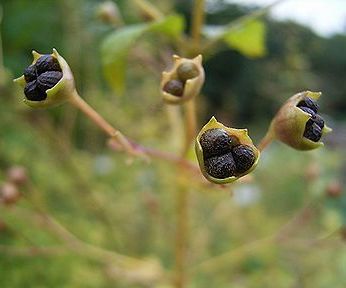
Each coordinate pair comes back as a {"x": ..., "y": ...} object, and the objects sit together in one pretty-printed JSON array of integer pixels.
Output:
[
  {"x": 114, "y": 52},
  {"x": 247, "y": 38},
  {"x": 116, "y": 46},
  {"x": 171, "y": 26}
]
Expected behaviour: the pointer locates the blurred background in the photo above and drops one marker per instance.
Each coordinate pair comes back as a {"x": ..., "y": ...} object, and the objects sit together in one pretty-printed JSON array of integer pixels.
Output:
[{"x": 283, "y": 227}]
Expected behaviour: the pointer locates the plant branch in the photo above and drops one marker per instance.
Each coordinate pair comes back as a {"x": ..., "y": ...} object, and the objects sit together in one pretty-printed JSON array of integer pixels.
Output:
[
  {"x": 197, "y": 23},
  {"x": 149, "y": 9}
]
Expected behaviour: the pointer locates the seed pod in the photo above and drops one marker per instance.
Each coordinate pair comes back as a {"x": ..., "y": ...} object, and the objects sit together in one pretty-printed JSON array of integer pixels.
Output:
[
  {"x": 57, "y": 94},
  {"x": 220, "y": 167},
  {"x": 244, "y": 158},
  {"x": 218, "y": 141},
  {"x": 30, "y": 73},
  {"x": 191, "y": 79},
  {"x": 32, "y": 92},
  {"x": 48, "y": 80},
  {"x": 47, "y": 63},
  {"x": 296, "y": 125}
]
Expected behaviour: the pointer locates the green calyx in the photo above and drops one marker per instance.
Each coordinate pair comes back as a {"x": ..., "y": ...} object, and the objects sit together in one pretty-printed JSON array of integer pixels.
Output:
[
  {"x": 242, "y": 139},
  {"x": 61, "y": 92},
  {"x": 289, "y": 124}
]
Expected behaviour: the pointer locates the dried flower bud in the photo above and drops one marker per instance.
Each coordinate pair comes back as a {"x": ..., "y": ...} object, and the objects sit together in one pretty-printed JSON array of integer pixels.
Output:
[
  {"x": 190, "y": 73},
  {"x": 225, "y": 154},
  {"x": 334, "y": 189},
  {"x": 297, "y": 123},
  {"x": 9, "y": 193},
  {"x": 108, "y": 13},
  {"x": 17, "y": 175},
  {"x": 48, "y": 81}
]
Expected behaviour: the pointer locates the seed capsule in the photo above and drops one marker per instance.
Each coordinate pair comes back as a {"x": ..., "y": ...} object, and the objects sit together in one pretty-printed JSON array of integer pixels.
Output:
[
  {"x": 174, "y": 87},
  {"x": 32, "y": 92},
  {"x": 30, "y": 73},
  {"x": 215, "y": 142},
  {"x": 221, "y": 167},
  {"x": 9, "y": 193},
  {"x": 48, "y": 80},
  {"x": 312, "y": 131},
  {"x": 187, "y": 70},
  {"x": 309, "y": 103},
  {"x": 244, "y": 158},
  {"x": 47, "y": 63}
]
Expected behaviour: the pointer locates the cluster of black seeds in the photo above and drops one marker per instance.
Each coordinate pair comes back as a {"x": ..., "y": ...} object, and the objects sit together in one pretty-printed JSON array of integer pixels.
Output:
[
  {"x": 185, "y": 72},
  {"x": 41, "y": 76},
  {"x": 223, "y": 154},
  {"x": 314, "y": 126}
]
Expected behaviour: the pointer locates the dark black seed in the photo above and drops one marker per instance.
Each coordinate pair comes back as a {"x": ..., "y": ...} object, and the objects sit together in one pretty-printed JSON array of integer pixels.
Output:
[
  {"x": 32, "y": 92},
  {"x": 308, "y": 110},
  {"x": 312, "y": 131},
  {"x": 310, "y": 103},
  {"x": 220, "y": 167},
  {"x": 187, "y": 70},
  {"x": 48, "y": 80},
  {"x": 30, "y": 73},
  {"x": 318, "y": 120},
  {"x": 215, "y": 142},
  {"x": 244, "y": 158},
  {"x": 174, "y": 87},
  {"x": 47, "y": 63}
]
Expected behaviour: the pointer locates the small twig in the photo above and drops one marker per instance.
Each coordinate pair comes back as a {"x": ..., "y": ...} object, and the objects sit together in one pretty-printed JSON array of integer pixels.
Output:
[
  {"x": 149, "y": 10},
  {"x": 266, "y": 140}
]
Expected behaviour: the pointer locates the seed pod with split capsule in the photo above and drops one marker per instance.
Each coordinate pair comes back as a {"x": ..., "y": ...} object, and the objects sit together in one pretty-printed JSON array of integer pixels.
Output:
[
  {"x": 225, "y": 154},
  {"x": 298, "y": 123},
  {"x": 184, "y": 81},
  {"x": 48, "y": 81}
]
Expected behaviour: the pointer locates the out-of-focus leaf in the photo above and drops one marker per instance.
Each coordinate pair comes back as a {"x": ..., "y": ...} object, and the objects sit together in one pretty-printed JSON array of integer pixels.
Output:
[
  {"x": 114, "y": 52},
  {"x": 116, "y": 46},
  {"x": 171, "y": 26},
  {"x": 248, "y": 38}
]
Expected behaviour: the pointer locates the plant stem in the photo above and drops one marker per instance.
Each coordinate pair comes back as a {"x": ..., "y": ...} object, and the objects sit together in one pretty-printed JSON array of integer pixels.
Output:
[
  {"x": 191, "y": 124},
  {"x": 149, "y": 10},
  {"x": 197, "y": 24},
  {"x": 182, "y": 194},
  {"x": 266, "y": 140},
  {"x": 113, "y": 133}
]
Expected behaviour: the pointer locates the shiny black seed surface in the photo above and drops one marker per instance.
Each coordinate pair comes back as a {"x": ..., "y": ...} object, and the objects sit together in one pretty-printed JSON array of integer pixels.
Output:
[
  {"x": 244, "y": 158},
  {"x": 33, "y": 93},
  {"x": 174, "y": 87},
  {"x": 215, "y": 142},
  {"x": 187, "y": 71},
  {"x": 47, "y": 63},
  {"x": 220, "y": 167},
  {"x": 308, "y": 110},
  {"x": 310, "y": 103},
  {"x": 48, "y": 80},
  {"x": 318, "y": 120},
  {"x": 312, "y": 131},
  {"x": 30, "y": 73}
]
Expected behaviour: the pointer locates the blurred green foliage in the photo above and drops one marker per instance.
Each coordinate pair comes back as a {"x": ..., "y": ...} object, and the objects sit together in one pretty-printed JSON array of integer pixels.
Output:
[{"x": 130, "y": 209}]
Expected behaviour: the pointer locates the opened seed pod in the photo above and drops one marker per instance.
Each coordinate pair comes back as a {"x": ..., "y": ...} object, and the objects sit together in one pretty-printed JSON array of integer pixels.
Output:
[
  {"x": 298, "y": 123},
  {"x": 48, "y": 81},
  {"x": 225, "y": 154},
  {"x": 184, "y": 81}
]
